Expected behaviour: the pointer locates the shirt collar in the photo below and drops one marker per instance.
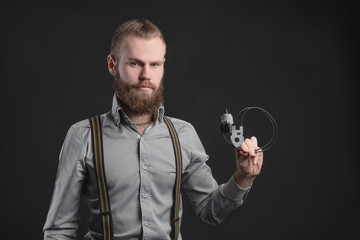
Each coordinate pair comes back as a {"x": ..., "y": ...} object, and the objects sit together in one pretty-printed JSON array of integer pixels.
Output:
[{"x": 119, "y": 114}]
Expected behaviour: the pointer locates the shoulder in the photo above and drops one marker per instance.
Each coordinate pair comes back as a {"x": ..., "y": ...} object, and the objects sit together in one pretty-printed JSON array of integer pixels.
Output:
[
  {"x": 184, "y": 129},
  {"x": 83, "y": 124},
  {"x": 79, "y": 131},
  {"x": 189, "y": 139},
  {"x": 181, "y": 125}
]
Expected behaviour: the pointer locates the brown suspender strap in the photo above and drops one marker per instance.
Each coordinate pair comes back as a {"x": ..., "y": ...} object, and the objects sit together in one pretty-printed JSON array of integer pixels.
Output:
[
  {"x": 97, "y": 145},
  {"x": 178, "y": 158}
]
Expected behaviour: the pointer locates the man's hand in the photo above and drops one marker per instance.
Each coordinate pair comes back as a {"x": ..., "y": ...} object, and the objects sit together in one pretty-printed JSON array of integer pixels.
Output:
[{"x": 248, "y": 162}]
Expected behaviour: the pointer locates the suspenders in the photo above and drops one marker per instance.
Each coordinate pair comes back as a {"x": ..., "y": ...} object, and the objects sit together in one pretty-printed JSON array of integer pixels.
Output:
[
  {"x": 178, "y": 158},
  {"x": 105, "y": 210}
]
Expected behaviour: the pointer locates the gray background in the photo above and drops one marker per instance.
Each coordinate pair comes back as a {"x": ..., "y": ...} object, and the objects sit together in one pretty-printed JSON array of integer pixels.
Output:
[{"x": 297, "y": 59}]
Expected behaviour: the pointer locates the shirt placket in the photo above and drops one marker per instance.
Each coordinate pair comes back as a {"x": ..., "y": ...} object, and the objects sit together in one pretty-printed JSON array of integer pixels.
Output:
[{"x": 145, "y": 189}]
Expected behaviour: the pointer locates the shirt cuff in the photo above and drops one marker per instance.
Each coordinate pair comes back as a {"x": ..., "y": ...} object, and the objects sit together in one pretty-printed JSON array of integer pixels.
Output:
[{"x": 233, "y": 191}]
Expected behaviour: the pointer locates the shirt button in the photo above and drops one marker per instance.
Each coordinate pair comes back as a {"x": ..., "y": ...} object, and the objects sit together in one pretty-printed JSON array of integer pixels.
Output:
[
  {"x": 144, "y": 195},
  {"x": 147, "y": 224},
  {"x": 144, "y": 167}
]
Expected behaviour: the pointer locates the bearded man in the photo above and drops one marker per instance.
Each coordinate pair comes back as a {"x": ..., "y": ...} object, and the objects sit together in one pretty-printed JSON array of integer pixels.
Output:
[{"x": 138, "y": 155}]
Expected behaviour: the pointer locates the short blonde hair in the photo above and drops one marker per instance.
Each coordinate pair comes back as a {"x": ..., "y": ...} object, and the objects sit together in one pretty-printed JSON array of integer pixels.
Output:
[{"x": 139, "y": 27}]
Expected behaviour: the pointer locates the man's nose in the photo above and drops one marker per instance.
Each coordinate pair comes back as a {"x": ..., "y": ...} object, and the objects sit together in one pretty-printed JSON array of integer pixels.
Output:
[{"x": 145, "y": 73}]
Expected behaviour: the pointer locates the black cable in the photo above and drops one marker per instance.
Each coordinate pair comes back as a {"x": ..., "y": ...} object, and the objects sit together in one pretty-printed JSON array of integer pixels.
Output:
[{"x": 274, "y": 136}]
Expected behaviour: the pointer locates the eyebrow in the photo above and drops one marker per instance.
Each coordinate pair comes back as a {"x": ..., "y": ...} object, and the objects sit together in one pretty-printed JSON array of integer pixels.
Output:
[
  {"x": 142, "y": 62},
  {"x": 135, "y": 59}
]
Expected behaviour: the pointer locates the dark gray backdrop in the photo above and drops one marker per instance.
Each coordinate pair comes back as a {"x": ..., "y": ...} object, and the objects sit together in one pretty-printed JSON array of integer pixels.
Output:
[{"x": 297, "y": 59}]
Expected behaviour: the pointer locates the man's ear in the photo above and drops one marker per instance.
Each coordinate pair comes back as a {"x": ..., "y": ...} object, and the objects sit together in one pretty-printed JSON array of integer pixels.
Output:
[{"x": 111, "y": 64}]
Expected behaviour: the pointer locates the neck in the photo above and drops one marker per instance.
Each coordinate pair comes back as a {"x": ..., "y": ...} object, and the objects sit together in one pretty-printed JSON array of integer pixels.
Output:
[
  {"x": 141, "y": 121},
  {"x": 138, "y": 119}
]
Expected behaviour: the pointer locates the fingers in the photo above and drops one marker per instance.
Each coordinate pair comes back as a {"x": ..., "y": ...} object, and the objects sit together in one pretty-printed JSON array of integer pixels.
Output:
[
  {"x": 260, "y": 159},
  {"x": 249, "y": 147},
  {"x": 254, "y": 141},
  {"x": 244, "y": 148}
]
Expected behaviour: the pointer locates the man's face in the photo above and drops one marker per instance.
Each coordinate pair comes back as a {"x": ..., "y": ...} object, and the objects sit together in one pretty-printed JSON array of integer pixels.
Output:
[{"x": 139, "y": 70}]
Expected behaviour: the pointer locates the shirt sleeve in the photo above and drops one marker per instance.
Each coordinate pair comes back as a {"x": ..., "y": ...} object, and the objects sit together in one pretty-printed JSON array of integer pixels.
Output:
[
  {"x": 63, "y": 216},
  {"x": 211, "y": 202}
]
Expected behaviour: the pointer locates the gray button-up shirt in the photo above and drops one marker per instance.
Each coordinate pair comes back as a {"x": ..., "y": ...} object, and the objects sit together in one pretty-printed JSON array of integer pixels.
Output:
[{"x": 140, "y": 172}]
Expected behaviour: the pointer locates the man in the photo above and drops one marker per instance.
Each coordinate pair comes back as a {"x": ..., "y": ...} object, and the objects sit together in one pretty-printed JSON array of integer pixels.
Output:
[{"x": 138, "y": 154}]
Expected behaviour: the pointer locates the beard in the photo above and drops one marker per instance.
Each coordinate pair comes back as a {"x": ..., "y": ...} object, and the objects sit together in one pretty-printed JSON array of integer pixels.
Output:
[{"x": 137, "y": 101}]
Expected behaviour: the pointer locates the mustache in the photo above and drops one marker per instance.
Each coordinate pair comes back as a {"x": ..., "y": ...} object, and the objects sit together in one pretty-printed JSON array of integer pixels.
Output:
[{"x": 145, "y": 83}]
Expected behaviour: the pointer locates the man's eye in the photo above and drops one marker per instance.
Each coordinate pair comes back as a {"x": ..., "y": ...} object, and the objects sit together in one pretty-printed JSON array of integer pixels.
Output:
[
  {"x": 154, "y": 64},
  {"x": 133, "y": 64}
]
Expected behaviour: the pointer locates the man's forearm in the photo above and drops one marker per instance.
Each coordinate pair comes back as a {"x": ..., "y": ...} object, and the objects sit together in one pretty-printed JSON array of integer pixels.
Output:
[{"x": 226, "y": 198}]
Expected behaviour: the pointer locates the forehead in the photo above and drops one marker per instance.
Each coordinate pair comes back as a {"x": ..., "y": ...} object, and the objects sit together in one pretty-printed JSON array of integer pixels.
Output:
[{"x": 144, "y": 49}]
